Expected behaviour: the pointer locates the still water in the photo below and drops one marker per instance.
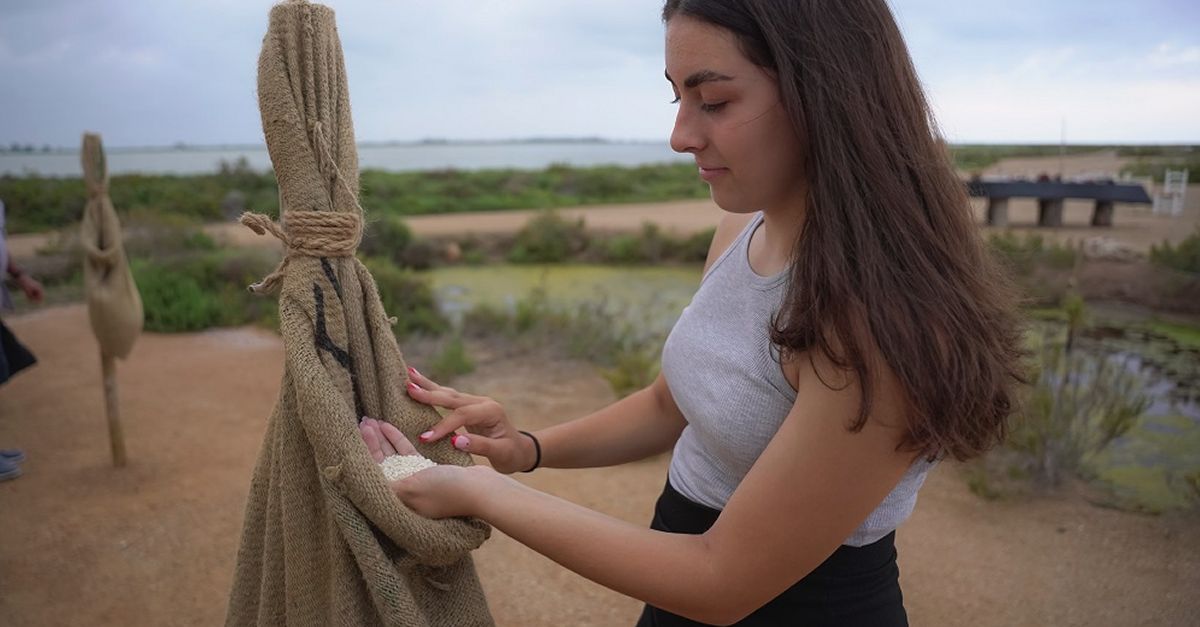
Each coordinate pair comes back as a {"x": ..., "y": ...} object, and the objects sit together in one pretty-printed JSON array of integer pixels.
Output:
[
  {"x": 649, "y": 296},
  {"x": 1146, "y": 467},
  {"x": 390, "y": 157}
]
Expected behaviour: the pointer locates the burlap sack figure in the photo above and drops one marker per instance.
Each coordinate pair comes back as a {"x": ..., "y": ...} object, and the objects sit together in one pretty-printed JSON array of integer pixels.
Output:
[
  {"x": 114, "y": 305},
  {"x": 325, "y": 541}
]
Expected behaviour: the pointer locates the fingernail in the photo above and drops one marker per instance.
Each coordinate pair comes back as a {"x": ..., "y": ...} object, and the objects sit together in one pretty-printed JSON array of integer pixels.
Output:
[
  {"x": 460, "y": 442},
  {"x": 415, "y": 371},
  {"x": 412, "y": 370},
  {"x": 425, "y": 436},
  {"x": 413, "y": 386}
]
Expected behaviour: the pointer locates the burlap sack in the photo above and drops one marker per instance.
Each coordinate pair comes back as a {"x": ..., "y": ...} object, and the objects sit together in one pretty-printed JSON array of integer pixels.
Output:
[
  {"x": 114, "y": 305},
  {"x": 325, "y": 541}
]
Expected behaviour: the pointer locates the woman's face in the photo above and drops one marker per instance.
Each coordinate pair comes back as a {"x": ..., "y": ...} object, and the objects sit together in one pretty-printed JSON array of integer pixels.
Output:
[{"x": 732, "y": 120}]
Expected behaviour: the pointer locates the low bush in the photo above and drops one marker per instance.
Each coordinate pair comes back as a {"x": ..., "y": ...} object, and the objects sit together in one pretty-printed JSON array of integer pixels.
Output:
[
  {"x": 548, "y": 238},
  {"x": 627, "y": 354},
  {"x": 1184, "y": 256},
  {"x": 409, "y": 298},
  {"x": 204, "y": 290},
  {"x": 174, "y": 301},
  {"x": 451, "y": 361},
  {"x": 1023, "y": 254}
]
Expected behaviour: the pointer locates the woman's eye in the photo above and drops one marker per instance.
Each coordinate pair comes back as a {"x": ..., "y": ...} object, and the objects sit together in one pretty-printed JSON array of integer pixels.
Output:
[{"x": 712, "y": 108}]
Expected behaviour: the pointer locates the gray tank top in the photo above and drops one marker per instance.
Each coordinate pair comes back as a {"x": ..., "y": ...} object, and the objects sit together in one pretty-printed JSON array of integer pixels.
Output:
[{"x": 724, "y": 374}]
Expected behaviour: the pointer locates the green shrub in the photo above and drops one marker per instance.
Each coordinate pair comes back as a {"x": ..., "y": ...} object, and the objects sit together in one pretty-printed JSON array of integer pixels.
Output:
[
  {"x": 1184, "y": 257},
  {"x": 155, "y": 235},
  {"x": 627, "y": 354},
  {"x": 1023, "y": 255},
  {"x": 634, "y": 369},
  {"x": 979, "y": 481},
  {"x": 548, "y": 238},
  {"x": 533, "y": 310},
  {"x": 622, "y": 248},
  {"x": 1155, "y": 166},
  {"x": 1078, "y": 405},
  {"x": 390, "y": 238},
  {"x": 653, "y": 245},
  {"x": 487, "y": 320},
  {"x": 385, "y": 236},
  {"x": 451, "y": 361},
  {"x": 173, "y": 300},
  {"x": 202, "y": 290},
  {"x": 695, "y": 248},
  {"x": 37, "y": 203},
  {"x": 409, "y": 298},
  {"x": 420, "y": 254},
  {"x": 648, "y": 246}
]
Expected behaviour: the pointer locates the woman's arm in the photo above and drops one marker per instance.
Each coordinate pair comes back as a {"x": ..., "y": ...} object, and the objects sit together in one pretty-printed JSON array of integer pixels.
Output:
[
  {"x": 642, "y": 424},
  {"x": 813, "y": 485},
  {"x": 645, "y": 423}
]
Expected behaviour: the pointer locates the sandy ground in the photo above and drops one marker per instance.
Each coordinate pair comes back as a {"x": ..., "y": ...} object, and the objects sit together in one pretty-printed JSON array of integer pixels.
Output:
[{"x": 154, "y": 543}]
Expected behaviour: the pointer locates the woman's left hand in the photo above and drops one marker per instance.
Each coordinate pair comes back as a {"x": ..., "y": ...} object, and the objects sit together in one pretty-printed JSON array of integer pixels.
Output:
[
  {"x": 439, "y": 492},
  {"x": 447, "y": 490}
]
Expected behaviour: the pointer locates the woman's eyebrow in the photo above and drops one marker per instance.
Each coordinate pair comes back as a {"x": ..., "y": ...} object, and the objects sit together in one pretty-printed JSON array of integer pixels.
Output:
[{"x": 703, "y": 76}]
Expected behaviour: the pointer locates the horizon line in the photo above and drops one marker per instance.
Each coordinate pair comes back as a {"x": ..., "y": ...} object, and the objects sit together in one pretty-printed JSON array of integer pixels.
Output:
[{"x": 180, "y": 146}]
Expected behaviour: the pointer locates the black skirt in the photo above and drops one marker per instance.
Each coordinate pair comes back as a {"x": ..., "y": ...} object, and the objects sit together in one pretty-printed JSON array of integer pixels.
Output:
[
  {"x": 856, "y": 586},
  {"x": 14, "y": 357}
]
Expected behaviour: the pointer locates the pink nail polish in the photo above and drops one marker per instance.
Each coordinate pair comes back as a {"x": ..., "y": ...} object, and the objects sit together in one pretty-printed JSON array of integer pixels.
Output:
[
  {"x": 461, "y": 442},
  {"x": 425, "y": 436}
]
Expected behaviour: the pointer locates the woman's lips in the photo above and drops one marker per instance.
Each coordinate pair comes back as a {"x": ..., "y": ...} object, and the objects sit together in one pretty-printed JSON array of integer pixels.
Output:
[{"x": 711, "y": 174}]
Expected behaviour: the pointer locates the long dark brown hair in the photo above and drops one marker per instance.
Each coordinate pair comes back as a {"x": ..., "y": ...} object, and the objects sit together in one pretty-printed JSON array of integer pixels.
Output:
[{"x": 889, "y": 252}]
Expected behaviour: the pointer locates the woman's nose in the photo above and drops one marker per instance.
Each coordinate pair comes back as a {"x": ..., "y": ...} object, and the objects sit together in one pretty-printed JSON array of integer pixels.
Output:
[{"x": 685, "y": 137}]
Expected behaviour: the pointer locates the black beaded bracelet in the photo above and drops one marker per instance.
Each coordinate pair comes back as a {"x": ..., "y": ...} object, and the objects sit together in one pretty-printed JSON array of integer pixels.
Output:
[{"x": 537, "y": 449}]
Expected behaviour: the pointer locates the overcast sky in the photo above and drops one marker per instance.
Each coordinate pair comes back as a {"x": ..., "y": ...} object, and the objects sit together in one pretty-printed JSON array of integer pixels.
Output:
[{"x": 156, "y": 72}]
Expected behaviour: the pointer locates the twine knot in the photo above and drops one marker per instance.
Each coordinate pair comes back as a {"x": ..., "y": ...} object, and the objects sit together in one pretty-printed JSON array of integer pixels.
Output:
[
  {"x": 96, "y": 190},
  {"x": 306, "y": 233}
]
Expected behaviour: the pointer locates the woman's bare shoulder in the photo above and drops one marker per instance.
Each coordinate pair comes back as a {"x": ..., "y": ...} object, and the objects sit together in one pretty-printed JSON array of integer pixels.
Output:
[{"x": 728, "y": 229}]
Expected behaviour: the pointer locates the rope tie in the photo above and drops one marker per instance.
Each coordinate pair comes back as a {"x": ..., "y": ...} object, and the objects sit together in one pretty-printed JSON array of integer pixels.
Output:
[
  {"x": 96, "y": 190},
  {"x": 308, "y": 234}
]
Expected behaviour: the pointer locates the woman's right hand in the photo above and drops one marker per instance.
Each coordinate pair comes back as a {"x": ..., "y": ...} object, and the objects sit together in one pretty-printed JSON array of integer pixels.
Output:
[{"x": 489, "y": 431}]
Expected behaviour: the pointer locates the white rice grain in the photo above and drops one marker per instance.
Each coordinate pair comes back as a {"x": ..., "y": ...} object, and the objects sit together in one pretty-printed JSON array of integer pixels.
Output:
[{"x": 400, "y": 466}]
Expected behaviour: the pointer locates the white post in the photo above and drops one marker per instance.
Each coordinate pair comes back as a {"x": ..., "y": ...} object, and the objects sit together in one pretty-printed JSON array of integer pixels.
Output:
[{"x": 1171, "y": 197}]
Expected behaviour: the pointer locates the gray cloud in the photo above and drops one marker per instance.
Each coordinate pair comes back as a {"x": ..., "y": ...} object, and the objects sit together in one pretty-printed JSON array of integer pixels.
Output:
[{"x": 156, "y": 73}]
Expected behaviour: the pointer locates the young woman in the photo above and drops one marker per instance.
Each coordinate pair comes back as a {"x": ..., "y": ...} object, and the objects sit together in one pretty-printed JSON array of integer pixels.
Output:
[{"x": 849, "y": 331}]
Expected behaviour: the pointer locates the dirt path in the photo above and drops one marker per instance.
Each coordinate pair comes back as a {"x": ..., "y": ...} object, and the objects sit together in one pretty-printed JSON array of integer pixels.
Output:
[{"x": 153, "y": 544}]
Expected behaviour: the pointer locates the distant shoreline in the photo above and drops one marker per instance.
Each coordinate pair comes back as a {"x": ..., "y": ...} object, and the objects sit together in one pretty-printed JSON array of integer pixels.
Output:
[
  {"x": 29, "y": 149},
  {"x": 1039, "y": 148}
]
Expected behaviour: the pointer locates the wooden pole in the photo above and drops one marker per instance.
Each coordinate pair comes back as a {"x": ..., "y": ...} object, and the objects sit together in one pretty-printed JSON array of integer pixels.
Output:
[
  {"x": 116, "y": 436},
  {"x": 997, "y": 212}
]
